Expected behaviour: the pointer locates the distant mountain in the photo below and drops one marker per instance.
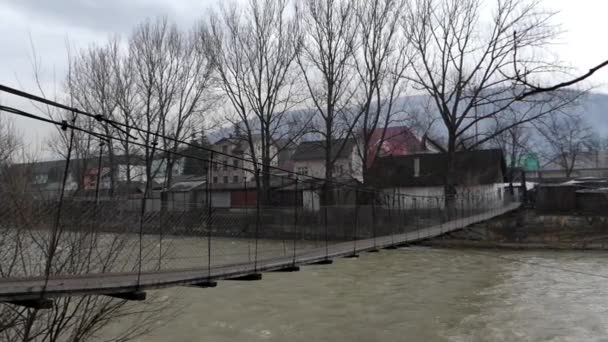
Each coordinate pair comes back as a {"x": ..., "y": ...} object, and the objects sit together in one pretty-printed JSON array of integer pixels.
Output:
[{"x": 594, "y": 107}]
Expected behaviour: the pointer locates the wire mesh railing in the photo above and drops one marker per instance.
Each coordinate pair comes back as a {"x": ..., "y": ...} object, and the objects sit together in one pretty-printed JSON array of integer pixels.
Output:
[
  {"x": 275, "y": 215},
  {"x": 113, "y": 236}
]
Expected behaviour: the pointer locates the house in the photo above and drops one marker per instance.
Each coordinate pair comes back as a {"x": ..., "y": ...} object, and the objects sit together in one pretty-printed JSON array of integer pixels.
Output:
[
  {"x": 187, "y": 193},
  {"x": 234, "y": 164},
  {"x": 309, "y": 159},
  {"x": 586, "y": 164},
  {"x": 422, "y": 176},
  {"x": 45, "y": 178},
  {"x": 395, "y": 141}
]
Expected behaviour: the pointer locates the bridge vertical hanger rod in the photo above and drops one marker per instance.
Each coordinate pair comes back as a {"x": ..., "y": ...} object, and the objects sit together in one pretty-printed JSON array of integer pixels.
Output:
[
  {"x": 257, "y": 218},
  {"x": 354, "y": 254},
  {"x": 248, "y": 238},
  {"x": 440, "y": 214},
  {"x": 282, "y": 222},
  {"x": 295, "y": 219},
  {"x": 415, "y": 205},
  {"x": 374, "y": 225},
  {"x": 55, "y": 233},
  {"x": 209, "y": 283},
  {"x": 98, "y": 172},
  {"x": 326, "y": 229},
  {"x": 391, "y": 219}
]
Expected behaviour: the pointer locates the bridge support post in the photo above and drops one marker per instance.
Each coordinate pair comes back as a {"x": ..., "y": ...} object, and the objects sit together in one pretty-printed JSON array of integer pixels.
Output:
[
  {"x": 205, "y": 284},
  {"x": 132, "y": 296},
  {"x": 40, "y": 304},
  {"x": 322, "y": 262},
  {"x": 287, "y": 269},
  {"x": 248, "y": 277}
]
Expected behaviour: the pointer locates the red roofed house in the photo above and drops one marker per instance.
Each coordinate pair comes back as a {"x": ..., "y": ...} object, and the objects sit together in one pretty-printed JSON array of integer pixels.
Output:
[{"x": 396, "y": 141}]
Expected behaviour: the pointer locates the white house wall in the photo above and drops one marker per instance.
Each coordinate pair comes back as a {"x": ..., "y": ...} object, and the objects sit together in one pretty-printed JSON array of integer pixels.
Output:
[
  {"x": 478, "y": 196},
  {"x": 352, "y": 167},
  {"x": 310, "y": 200},
  {"x": 220, "y": 199}
]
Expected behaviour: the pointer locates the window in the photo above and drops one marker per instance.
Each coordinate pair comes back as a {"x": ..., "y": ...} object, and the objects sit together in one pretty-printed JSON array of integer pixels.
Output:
[
  {"x": 225, "y": 179},
  {"x": 417, "y": 167},
  {"x": 225, "y": 149},
  {"x": 303, "y": 170},
  {"x": 340, "y": 169},
  {"x": 235, "y": 164},
  {"x": 41, "y": 179},
  {"x": 235, "y": 179},
  {"x": 214, "y": 180},
  {"x": 225, "y": 165}
]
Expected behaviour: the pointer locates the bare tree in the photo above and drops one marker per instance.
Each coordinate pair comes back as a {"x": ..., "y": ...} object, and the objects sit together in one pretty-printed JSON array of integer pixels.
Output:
[
  {"x": 92, "y": 86},
  {"x": 127, "y": 103},
  {"x": 326, "y": 60},
  {"x": 381, "y": 61},
  {"x": 82, "y": 249},
  {"x": 10, "y": 142},
  {"x": 152, "y": 47},
  {"x": 465, "y": 64},
  {"x": 170, "y": 78},
  {"x": 567, "y": 137},
  {"x": 254, "y": 51}
]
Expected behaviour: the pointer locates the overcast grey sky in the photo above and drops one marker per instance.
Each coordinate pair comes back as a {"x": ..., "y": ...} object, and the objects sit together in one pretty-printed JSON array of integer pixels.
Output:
[{"x": 53, "y": 23}]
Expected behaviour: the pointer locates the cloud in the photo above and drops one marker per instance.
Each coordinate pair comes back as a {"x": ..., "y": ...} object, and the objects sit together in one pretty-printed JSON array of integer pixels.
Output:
[{"x": 116, "y": 16}]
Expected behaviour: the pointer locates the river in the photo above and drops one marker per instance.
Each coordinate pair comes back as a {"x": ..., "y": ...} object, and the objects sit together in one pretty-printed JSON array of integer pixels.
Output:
[{"x": 411, "y": 294}]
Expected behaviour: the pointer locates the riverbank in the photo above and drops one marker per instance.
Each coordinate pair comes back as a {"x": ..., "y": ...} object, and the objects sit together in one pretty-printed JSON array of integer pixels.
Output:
[{"x": 526, "y": 229}]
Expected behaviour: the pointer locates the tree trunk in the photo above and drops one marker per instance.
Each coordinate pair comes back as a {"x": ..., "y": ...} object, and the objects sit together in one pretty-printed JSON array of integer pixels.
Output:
[{"x": 449, "y": 190}]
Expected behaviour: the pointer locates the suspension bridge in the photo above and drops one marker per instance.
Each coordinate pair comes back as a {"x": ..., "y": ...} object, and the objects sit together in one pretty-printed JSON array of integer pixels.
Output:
[{"x": 69, "y": 242}]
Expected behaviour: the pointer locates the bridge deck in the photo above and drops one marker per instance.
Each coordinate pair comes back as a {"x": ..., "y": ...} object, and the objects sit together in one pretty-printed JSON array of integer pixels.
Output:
[{"x": 115, "y": 283}]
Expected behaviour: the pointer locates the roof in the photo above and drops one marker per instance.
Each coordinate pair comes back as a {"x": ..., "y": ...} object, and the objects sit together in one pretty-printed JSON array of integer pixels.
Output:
[
  {"x": 188, "y": 184},
  {"x": 583, "y": 161},
  {"x": 472, "y": 168},
  {"x": 315, "y": 150},
  {"x": 395, "y": 141}
]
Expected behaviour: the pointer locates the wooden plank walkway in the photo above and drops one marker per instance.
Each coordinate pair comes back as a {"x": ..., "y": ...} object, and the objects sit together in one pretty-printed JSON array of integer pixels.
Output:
[{"x": 29, "y": 289}]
